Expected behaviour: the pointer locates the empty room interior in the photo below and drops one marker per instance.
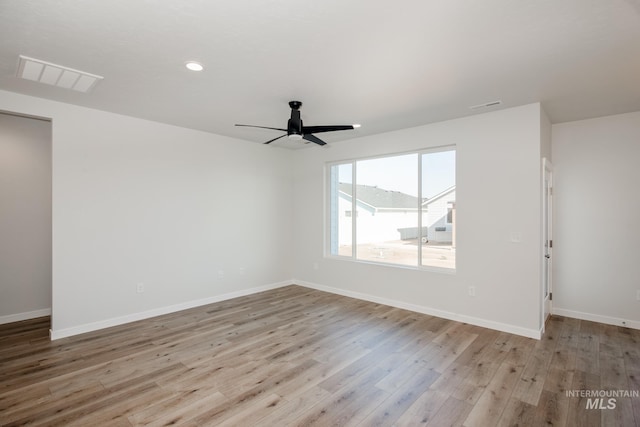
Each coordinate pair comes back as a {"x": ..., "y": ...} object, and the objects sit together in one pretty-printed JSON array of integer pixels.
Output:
[{"x": 246, "y": 213}]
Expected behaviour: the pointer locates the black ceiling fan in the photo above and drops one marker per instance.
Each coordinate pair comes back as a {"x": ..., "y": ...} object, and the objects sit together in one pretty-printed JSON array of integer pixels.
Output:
[{"x": 296, "y": 131}]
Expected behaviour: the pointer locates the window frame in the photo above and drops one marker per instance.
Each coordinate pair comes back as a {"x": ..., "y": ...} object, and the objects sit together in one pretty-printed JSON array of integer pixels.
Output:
[{"x": 328, "y": 209}]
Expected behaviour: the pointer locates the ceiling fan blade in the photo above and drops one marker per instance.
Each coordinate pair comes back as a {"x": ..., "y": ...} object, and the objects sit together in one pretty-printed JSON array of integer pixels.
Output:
[
  {"x": 330, "y": 128},
  {"x": 313, "y": 138},
  {"x": 262, "y": 127},
  {"x": 270, "y": 141}
]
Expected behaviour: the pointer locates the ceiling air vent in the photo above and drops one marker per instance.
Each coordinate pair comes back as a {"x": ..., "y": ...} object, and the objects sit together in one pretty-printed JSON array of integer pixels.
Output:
[
  {"x": 56, "y": 75},
  {"x": 486, "y": 105}
]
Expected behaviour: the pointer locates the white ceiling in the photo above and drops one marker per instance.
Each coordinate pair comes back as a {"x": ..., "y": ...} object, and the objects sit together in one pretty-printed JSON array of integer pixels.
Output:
[{"x": 386, "y": 65}]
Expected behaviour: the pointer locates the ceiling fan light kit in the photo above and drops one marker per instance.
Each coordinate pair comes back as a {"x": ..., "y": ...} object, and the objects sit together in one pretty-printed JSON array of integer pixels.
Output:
[{"x": 296, "y": 130}]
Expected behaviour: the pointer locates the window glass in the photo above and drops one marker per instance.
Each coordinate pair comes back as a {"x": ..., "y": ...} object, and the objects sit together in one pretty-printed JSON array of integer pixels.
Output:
[
  {"x": 387, "y": 209},
  {"x": 438, "y": 209},
  {"x": 399, "y": 209}
]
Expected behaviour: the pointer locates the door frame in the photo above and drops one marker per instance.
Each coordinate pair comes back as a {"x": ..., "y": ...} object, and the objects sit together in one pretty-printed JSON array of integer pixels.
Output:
[{"x": 546, "y": 306}]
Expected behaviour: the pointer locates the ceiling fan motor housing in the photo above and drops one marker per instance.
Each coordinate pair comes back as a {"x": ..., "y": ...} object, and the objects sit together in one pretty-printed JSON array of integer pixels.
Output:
[{"x": 294, "y": 125}]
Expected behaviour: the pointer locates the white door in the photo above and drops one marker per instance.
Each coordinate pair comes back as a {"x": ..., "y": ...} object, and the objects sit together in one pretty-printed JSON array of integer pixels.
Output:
[{"x": 547, "y": 237}]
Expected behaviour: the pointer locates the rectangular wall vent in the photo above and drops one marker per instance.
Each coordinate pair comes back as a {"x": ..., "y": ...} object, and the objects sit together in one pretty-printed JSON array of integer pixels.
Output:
[
  {"x": 56, "y": 75},
  {"x": 486, "y": 105}
]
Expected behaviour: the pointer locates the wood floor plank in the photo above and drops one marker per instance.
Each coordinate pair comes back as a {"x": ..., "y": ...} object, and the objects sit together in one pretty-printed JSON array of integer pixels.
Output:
[
  {"x": 614, "y": 378},
  {"x": 452, "y": 413},
  {"x": 447, "y": 347},
  {"x": 633, "y": 376},
  {"x": 296, "y": 356},
  {"x": 423, "y": 409},
  {"x": 255, "y": 412},
  {"x": 578, "y": 414},
  {"x": 476, "y": 382},
  {"x": 488, "y": 409},
  {"x": 400, "y": 400},
  {"x": 621, "y": 415},
  {"x": 451, "y": 378},
  {"x": 519, "y": 413},
  {"x": 558, "y": 381},
  {"x": 587, "y": 356},
  {"x": 552, "y": 409},
  {"x": 238, "y": 403},
  {"x": 112, "y": 414},
  {"x": 531, "y": 383},
  {"x": 178, "y": 409},
  {"x": 520, "y": 350},
  {"x": 294, "y": 408},
  {"x": 489, "y": 346},
  {"x": 348, "y": 401}
]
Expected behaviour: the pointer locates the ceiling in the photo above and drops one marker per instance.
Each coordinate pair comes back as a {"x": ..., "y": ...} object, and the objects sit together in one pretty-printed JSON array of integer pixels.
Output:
[{"x": 385, "y": 65}]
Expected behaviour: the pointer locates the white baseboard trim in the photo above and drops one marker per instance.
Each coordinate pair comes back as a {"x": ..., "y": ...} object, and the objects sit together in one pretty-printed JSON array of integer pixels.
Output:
[
  {"x": 608, "y": 320},
  {"x": 94, "y": 326},
  {"x": 18, "y": 317},
  {"x": 490, "y": 324}
]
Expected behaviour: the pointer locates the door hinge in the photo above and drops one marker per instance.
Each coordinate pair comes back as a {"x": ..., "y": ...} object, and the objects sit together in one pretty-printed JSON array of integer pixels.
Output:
[
  {"x": 550, "y": 296},
  {"x": 550, "y": 243}
]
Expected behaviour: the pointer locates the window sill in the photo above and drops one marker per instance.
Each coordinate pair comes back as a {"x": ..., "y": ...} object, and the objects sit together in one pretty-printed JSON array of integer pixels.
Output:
[{"x": 429, "y": 269}]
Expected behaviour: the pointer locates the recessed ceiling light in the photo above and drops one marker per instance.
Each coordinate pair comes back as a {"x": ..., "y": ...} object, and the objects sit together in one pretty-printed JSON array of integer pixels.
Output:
[
  {"x": 356, "y": 126},
  {"x": 194, "y": 66}
]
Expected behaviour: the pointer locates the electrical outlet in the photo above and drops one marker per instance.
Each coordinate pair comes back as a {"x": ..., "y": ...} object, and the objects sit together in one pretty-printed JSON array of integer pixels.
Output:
[
  {"x": 242, "y": 271},
  {"x": 516, "y": 237},
  {"x": 220, "y": 274},
  {"x": 472, "y": 291},
  {"x": 140, "y": 288}
]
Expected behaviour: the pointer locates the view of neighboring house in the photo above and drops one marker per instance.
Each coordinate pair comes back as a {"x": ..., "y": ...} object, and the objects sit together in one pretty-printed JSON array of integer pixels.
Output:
[
  {"x": 385, "y": 215},
  {"x": 438, "y": 217},
  {"x": 380, "y": 213}
]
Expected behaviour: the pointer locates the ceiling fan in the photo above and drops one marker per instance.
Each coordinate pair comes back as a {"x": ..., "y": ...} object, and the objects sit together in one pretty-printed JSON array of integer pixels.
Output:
[{"x": 296, "y": 131}]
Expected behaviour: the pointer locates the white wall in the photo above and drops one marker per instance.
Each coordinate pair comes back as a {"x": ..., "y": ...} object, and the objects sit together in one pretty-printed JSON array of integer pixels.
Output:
[
  {"x": 138, "y": 201},
  {"x": 597, "y": 219},
  {"x": 25, "y": 218},
  {"x": 498, "y": 188},
  {"x": 545, "y": 136}
]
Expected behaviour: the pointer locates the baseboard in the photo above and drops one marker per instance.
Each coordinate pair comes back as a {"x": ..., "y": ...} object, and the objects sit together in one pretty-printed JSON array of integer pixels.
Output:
[
  {"x": 490, "y": 324},
  {"x": 18, "y": 317},
  {"x": 503, "y": 327},
  {"x": 90, "y": 327},
  {"x": 608, "y": 320}
]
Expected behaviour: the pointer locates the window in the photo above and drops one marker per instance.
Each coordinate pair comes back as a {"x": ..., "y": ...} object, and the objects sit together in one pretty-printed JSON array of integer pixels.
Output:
[{"x": 404, "y": 209}]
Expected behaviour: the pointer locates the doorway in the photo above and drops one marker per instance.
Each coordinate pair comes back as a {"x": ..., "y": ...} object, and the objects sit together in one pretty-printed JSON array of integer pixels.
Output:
[{"x": 26, "y": 219}]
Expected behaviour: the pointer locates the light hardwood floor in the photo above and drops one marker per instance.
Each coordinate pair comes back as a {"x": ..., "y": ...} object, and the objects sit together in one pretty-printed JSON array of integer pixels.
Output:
[{"x": 300, "y": 357}]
